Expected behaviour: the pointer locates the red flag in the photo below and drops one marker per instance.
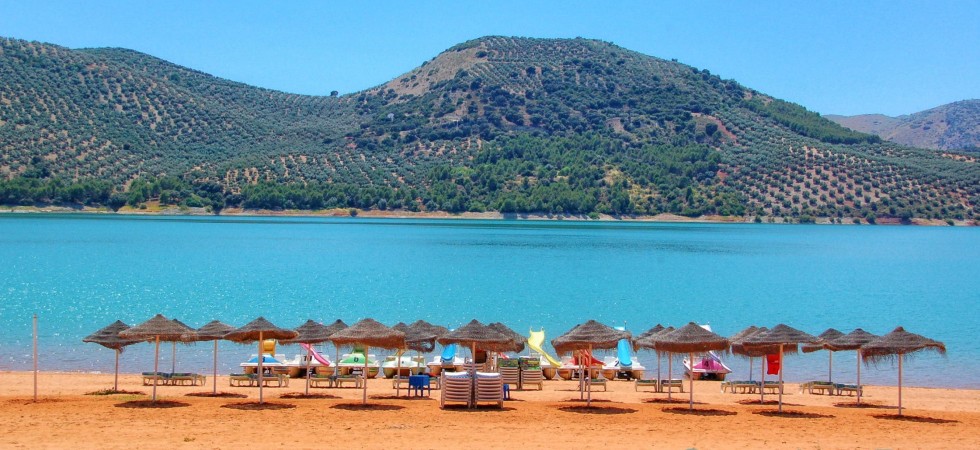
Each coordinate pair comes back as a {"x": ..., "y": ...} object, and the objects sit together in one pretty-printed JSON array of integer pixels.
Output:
[{"x": 772, "y": 364}]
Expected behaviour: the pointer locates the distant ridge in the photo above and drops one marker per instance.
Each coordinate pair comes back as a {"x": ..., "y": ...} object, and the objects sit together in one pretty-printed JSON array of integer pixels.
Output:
[
  {"x": 953, "y": 126},
  {"x": 516, "y": 125}
]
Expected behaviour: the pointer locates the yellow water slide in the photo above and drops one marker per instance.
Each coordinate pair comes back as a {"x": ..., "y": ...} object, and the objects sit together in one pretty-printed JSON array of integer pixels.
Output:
[{"x": 534, "y": 340}]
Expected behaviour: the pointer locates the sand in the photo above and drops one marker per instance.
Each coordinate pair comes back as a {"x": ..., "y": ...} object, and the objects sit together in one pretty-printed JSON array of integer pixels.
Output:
[{"x": 65, "y": 417}]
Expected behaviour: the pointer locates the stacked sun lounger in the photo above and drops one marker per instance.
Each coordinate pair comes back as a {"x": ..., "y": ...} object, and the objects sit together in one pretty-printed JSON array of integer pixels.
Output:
[
  {"x": 457, "y": 387},
  {"x": 511, "y": 375},
  {"x": 489, "y": 388},
  {"x": 531, "y": 377}
]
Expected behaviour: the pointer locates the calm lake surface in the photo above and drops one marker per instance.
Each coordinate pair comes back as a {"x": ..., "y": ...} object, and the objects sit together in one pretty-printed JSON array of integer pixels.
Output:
[{"x": 79, "y": 273}]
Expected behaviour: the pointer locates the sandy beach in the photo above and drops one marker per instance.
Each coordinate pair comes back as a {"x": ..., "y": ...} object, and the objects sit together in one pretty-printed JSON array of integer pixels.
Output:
[{"x": 65, "y": 416}]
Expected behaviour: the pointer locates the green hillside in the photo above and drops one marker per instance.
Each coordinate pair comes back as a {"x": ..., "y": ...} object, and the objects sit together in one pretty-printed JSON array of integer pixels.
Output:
[{"x": 506, "y": 124}]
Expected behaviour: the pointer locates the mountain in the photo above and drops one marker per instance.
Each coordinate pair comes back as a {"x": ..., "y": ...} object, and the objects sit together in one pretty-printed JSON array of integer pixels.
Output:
[
  {"x": 506, "y": 124},
  {"x": 954, "y": 126}
]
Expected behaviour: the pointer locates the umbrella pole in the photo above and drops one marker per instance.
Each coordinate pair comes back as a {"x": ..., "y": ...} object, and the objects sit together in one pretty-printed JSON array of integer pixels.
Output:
[
  {"x": 859, "y": 376},
  {"x": 581, "y": 378},
  {"x": 670, "y": 375},
  {"x": 398, "y": 373},
  {"x": 900, "y": 384},
  {"x": 156, "y": 368},
  {"x": 658, "y": 370},
  {"x": 173, "y": 359},
  {"x": 115, "y": 383},
  {"x": 750, "y": 368},
  {"x": 309, "y": 355},
  {"x": 259, "y": 367},
  {"x": 473, "y": 376},
  {"x": 830, "y": 370},
  {"x": 589, "y": 402},
  {"x": 364, "y": 375},
  {"x": 780, "y": 387},
  {"x": 762, "y": 369},
  {"x": 214, "y": 377},
  {"x": 690, "y": 357}
]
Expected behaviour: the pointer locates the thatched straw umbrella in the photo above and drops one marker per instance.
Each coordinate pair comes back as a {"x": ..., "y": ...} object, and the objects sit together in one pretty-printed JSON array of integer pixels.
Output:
[
  {"x": 650, "y": 341},
  {"x": 108, "y": 337},
  {"x": 173, "y": 354},
  {"x": 780, "y": 335},
  {"x": 588, "y": 336},
  {"x": 158, "y": 328},
  {"x": 827, "y": 336},
  {"x": 369, "y": 333},
  {"x": 736, "y": 347},
  {"x": 853, "y": 341},
  {"x": 421, "y": 336},
  {"x": 517, "y": 338},
  {"x": 212, "y": 331},
  {"x": 259, "y": 330},
  {"x": 691, "y": 338},
  {"x": 899, "y": 344},
  {"x": 336, "y": 326},
  {"x": 310, "y": 333}
]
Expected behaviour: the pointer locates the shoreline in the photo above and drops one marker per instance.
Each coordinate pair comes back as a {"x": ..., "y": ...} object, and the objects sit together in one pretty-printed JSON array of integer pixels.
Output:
[
  {"x": 401, "y": 214},
  {"x": 547, "y": 418}
]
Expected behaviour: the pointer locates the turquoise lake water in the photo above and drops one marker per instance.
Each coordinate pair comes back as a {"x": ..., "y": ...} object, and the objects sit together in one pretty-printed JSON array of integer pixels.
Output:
[{"x": 78, "y": 273}]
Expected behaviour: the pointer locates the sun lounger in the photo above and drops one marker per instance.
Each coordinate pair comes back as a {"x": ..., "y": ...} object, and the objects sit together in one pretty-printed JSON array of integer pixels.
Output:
[
  {"x": 489, "y": 388},
  {"x": 511, "y": 375},
  {"x": 318, "y": 380},
  {"x": 821, "y": 387},
  {"x": 457, "y": 387},
  {"x": 241, "y": 379},
  {"x": 531, "y": 377},
  {"x": 597, "y": 382},
  {"x": 340, "y": 381},
  {"x": 739, "y": 386},
  {"x": 186, "y": 379},
  {"x": 773, "y": 387},
  {"x": 275, "y": 380},
  {"x": 668, "y": 385},
  {"x": 638, "y": 384},
  {"x": 849, "y": 389},
  {"x": 158, "y": 378}
]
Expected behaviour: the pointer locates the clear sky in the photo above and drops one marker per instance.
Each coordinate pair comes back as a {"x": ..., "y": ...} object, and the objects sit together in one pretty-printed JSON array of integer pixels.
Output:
[{"x": 834, "y": 57}]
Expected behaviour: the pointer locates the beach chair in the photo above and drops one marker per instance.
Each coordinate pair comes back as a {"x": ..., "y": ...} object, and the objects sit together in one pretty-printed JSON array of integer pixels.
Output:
[
  {"x": 593, "y": 382},
  {"x": 849, "y": 389},
  {"x": 772, "y": 387},
  {"x": 157, "y": 378},
  {"x": 399, "y": 381},
  {"x": 820, "y": 387},
  {"x": 341, "y": 380},
  {"x": 511, "y": 375},
  {"x": 669, "y": 385},
  {"x": 241, "y": 379},
  {"x": 457, "y": 387},
  {"x": 489, "y": 388},
  {"x": 531, "y": 377},
  {"x": 645, "y": 384},
  {"x": 187, "y": 379},
  {"x": 319, "y": 380}
]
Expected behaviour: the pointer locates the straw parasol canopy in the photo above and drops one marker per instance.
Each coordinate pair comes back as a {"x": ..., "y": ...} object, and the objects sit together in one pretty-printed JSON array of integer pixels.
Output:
[
  {"x": 158, "y": 328},
  {"x": 588, "y": 336},
  {"x": 656, "y": 329},
  {"x": 691, "y": 338},
  {"x": 477, "y": 335},
  {"x": 336, "y": 326},
  {"x": 259, "y": 330},
  {"x": 828, "y": 335},
  {"x": 852, "y": 341},
  {"x": 421, "y": 335},
  {"x": 780, "y": 335},
  {"x": 517, "y": 338},
  {"x": 899, "y": 344},
  {"x": 369, "y": 333},
  {"x": 214, "y": 330},
  {"x": 310, "y": 332},
  {"x": 108, "y": 337}
]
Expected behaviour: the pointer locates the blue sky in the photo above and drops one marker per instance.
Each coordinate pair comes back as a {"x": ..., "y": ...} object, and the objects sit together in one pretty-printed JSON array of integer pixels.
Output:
[{"x": 834, "y": 57}]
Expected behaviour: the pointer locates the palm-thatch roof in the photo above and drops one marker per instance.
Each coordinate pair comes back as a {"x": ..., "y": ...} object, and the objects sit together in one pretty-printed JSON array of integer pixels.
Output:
[
  {"x": 851, "y": 341},
  {"x": 158, "y": 326},
  {"x": 476, "y": 334},
  {"x": 371, "y": 333},
  {"x": 108, "y": 337},
  {"x": 778, "y": 335},
  {"x": 336, "y": 326},
  {"x": 656, "y": 329},
  {"x": 899, "y": 343},
  {"x": 260, "y": 328},
  {"x": 214, "y": 330},
  {"x": 590, "y": 334},
  {"x": 650, "y": 340},
  {"x": 691, "y": 338},
  {"x": 310, "y": 332},
  {"x": 517, "y": 338},
  {"x": 827, "y": 336},
  {"x": 421, "y": 335}
]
